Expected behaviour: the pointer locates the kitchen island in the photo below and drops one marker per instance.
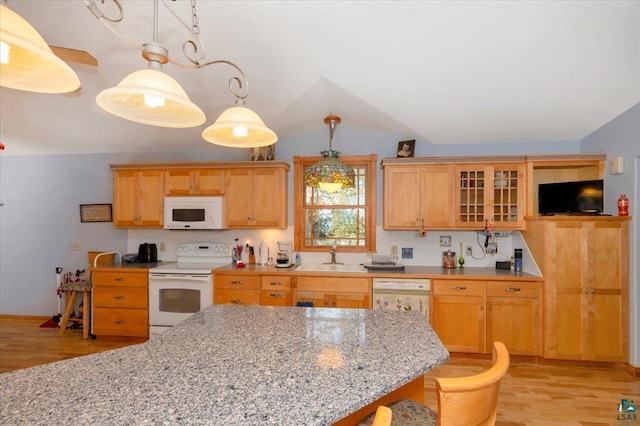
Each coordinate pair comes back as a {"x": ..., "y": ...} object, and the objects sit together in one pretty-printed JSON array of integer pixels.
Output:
[{"x": 234, "y": 365}]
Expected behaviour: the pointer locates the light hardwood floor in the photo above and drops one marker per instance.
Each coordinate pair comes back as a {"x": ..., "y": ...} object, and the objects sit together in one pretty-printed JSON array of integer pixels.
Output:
[{"x": 531, "y": 394}]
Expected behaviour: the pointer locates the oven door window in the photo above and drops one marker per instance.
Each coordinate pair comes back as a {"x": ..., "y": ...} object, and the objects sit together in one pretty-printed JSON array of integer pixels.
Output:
[{"x": 179, "y": 300}]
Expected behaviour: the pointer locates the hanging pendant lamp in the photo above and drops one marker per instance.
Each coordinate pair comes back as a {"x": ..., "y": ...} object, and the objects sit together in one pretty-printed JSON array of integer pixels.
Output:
[
  {"x": 151, "y": 97},
  {"x": 330, "y": 174},
  {"x": 239, "y": 127},
  {"x": 26, "y": 61}
]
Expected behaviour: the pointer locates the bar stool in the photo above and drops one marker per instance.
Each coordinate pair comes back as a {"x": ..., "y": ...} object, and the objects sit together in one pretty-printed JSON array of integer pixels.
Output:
[{"x": 71, "y": 290}]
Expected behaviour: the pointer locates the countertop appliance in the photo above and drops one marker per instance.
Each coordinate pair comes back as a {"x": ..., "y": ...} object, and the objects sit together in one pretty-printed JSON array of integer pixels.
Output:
[
  {"x": 179, "y": 290},
  {"x": 283, "y": 259},
  {"x": 147, "y": 253},
  {"x": 398, "y": 294},
  {"x": 193, "y": 213}
]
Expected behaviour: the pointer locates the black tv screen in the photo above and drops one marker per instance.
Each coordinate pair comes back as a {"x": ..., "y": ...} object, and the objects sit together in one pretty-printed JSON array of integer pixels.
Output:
[{"x": 586, "y": 197}]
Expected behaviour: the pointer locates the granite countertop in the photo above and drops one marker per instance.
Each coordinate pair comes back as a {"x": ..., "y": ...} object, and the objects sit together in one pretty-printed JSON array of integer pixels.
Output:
[{"x": 233, "y": 365}]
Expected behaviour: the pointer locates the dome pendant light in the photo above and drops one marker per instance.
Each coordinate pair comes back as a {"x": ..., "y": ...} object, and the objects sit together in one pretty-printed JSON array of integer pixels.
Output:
[
  {"x": 330, "y": 174},
  {"x": 26, "y": 61}
]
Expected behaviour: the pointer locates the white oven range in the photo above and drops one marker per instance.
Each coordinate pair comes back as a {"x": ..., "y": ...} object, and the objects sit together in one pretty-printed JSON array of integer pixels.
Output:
[{"x": 179, "y": 290}]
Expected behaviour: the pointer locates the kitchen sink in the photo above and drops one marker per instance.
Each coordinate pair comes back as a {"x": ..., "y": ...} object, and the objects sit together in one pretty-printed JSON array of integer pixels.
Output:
[{"x": 329, "y": 267}]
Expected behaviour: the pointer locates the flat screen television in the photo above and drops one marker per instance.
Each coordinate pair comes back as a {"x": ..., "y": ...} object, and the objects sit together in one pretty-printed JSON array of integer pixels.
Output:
[{"x": 581, "y": 197}]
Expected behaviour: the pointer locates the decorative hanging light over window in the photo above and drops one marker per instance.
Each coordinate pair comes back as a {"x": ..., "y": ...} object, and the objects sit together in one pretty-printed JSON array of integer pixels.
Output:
[
  {"x": 152, "y": 97},
  {"x": 27, "y": 62},
  {"x": 330, "y": 174}
]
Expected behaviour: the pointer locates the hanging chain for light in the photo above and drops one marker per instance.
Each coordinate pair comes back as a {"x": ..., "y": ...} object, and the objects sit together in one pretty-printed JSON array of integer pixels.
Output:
[{"x": 195, "y": 20}]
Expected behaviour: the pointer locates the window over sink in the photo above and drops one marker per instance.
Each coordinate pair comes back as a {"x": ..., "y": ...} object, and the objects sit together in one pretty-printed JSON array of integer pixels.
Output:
[{"x": 345, "y": 218}]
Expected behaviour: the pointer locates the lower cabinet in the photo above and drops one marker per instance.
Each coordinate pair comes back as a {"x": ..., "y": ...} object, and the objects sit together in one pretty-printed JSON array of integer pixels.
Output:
[
  {"x": 120, "y": 303},
  {"x": 332, "y": 292},
  {"x": 276, "y": 290},
  {"x": 470, "y": 315},
  {"x": 237, "y": 289}
]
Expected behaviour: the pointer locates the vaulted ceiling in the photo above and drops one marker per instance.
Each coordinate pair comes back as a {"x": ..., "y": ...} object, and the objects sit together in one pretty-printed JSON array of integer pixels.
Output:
[{"x": 444, "y": 72}]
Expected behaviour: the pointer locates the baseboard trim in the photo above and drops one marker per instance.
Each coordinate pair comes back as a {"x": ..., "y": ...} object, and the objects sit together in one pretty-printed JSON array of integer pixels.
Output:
[
  {"x": 25, "y": 318},
  {"x": 631, "y": 369}
]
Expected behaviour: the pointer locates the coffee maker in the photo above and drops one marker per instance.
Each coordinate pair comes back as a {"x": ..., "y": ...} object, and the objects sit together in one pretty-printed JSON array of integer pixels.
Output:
[{"x": 283, "y": 259}]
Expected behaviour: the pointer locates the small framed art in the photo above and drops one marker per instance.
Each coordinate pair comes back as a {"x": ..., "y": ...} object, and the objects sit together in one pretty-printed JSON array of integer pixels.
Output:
[
  {"x": 264, "y": 153},
  {"x": 406, "y": 149},
  {"x": 95, "y": 213}
]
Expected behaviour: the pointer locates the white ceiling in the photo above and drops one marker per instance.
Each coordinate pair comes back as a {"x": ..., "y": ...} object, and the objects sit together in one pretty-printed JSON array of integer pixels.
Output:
[{"x": 439, "y": 71}]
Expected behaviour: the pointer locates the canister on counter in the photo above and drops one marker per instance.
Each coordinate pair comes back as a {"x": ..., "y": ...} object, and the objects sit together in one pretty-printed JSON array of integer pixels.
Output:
[{"x": 449, "y": 259}]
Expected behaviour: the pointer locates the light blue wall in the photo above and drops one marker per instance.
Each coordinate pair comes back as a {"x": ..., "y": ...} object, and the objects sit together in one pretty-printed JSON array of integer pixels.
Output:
[{"x": 621, "y": 137}]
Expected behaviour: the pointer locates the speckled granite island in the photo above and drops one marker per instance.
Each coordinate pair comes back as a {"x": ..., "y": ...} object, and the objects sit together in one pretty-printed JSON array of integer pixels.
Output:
[{"x": 234, "y": 365}]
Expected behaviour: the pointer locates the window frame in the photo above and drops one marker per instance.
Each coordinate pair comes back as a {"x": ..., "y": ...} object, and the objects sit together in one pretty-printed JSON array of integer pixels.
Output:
[{"x": 368, "y": 162}]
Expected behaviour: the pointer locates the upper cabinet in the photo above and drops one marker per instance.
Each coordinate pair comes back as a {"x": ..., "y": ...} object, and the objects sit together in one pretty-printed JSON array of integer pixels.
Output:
[
  {"x": 138, "y": 198},
  {"x": 418, "y": 196},
  {"x": 194, "y": 182},
  {"x": 256, "y": 197},
  {"x": 255, "y": 193},
  {"x": 490, "y": 193}
]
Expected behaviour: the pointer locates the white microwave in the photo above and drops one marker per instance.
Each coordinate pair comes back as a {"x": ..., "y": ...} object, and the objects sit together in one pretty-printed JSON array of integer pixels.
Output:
[{"x": 193, "y": 213}]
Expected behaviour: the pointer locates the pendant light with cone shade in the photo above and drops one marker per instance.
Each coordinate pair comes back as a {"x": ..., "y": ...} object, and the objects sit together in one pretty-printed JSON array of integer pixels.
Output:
[
  {"x": 152, "y": 97},
  {"x": 26, "y": 61},
  {"x": 330, "y": 174}
]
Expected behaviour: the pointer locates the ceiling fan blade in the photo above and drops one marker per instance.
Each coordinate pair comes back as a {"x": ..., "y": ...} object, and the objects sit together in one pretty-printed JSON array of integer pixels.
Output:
[{"x": 73, "y": 55}]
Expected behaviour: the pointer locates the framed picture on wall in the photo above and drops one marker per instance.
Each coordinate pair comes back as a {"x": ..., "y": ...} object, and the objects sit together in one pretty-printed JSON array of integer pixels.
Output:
[
  {"x": 264, "y": 153},
  {"x": 406, "y": 149}
]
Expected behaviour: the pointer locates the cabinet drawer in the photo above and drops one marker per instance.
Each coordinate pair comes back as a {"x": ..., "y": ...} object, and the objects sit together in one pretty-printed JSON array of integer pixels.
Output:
[
  {"x": 329, "y": 284},
  {"x": 119, "y": 297},
  {"x": 459, "y": 287},
  {"x": 237, "y": 297},
  {"x": 275, "y": 297},
  {"x": 121, "y": 322},
  {"x": 513, "y": 289},
  {"x": 276, "y": 282},
  {"x": 242, "y": 282},
  {"x": 119, "y": 278}
]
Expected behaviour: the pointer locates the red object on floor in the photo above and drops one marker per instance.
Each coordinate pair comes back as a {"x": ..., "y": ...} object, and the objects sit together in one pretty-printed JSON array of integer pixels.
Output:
[{"x": 51, "y": 323}]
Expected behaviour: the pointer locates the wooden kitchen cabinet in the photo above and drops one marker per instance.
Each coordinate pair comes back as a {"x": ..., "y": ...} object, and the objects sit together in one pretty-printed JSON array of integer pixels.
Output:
[
  {"x": 276, "y": 290},
  {"x": 585, "y": 263},
  {"x": 256, "y": 197},
  {"x": 333, "y": 292},
  {"x": 469, "y": 315},
  {"x": 138, "y": 198},
  {"x": 513, "y": 316},
  {"x": 120, "y": 303},
  {"x": 458, "y": 314},
  {"x": 490, "y": 192},
  {"x": 418, "y": 196},
  {"x": 194, "y": 182},
  {"x": 239, "y": 289}
]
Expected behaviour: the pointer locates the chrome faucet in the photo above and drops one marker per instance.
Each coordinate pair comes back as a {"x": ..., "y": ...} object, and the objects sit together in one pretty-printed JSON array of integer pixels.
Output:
[{"x": 333, "y": 256}]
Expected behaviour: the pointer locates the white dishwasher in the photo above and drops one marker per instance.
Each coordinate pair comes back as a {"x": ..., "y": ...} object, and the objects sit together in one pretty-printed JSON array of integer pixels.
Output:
[{"x": 402, "y": 294}]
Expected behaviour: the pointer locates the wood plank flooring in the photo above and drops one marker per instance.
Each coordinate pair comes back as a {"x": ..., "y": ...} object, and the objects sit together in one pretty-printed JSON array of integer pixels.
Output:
[{"x": 531, "y": 394}]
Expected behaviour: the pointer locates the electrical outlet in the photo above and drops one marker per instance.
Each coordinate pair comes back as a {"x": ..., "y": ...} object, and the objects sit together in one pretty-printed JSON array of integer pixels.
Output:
[
  {"x": 162, "y": 247},
  {"x": 407, "y": 253},
  {"x": 469, "y": 251},
  {"x": 394, "y": 250},
  {"x": 74, "y": 245}
]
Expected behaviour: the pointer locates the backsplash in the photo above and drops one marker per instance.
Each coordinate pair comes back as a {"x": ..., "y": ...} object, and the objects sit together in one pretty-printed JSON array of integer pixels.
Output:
[{"x": 425, "y": 251}]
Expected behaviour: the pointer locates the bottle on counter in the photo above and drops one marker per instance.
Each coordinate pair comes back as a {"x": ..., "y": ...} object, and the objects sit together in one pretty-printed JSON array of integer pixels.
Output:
[
  {"x": 517, "y": 260},
  {"x": 623, "y": 205}
]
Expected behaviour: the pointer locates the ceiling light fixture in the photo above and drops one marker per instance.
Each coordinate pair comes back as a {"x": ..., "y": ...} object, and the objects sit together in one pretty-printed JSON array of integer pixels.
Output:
[
  {"x": 27, "y": 62},
  {"x": 152, "y": 97},
  {"x": 330, "y": 174}
]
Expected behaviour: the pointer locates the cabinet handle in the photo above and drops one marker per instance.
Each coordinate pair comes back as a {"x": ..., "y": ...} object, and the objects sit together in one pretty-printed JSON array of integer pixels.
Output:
[
  {"x": 237, "y": 282},
  {"x": 592, "y": 291},
  {"x": 120, "y": 279},
  {"x": 120, "y": 322},
  {"x": 276, "y": 295},
  {"x": 237, "y": 301},
  {"x": 491, "y": 307},
  {"x": 512, "y": 289},
  {"x": 275, "y": 283},
  {"x": 119, "y": 297},
  {"x": 459, "y": 287}
]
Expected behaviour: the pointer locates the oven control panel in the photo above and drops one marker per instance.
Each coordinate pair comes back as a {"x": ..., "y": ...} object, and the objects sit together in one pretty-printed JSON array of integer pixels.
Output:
[{"x": 202, "y": 250}]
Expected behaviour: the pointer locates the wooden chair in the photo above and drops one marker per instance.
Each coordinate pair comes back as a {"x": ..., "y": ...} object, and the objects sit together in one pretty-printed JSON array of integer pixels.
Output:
[{"x": 464, "y": 401}]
